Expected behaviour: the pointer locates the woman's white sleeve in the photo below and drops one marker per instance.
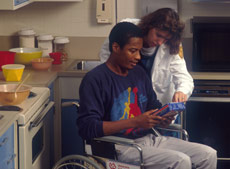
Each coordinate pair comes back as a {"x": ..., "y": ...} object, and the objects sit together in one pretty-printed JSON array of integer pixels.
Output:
[
  {"x": 181, "y": 78},
  {"x": 104, "y": 52}
]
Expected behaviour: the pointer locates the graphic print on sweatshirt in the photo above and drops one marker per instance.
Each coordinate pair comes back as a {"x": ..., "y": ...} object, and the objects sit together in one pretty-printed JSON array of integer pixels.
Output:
[{"x": 126, "y": 106}]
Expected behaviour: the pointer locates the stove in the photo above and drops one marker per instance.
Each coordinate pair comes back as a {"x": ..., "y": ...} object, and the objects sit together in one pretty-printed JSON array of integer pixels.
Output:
[
  {"x": 207, "y": 117},
  {"x": 34, "y": 129},
  {"x": 211, "y": 88},
  {"x": 30, "y": 106}
]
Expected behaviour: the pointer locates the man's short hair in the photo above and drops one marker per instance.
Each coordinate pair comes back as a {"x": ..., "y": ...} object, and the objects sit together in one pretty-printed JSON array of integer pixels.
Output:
[{"x": 122, "y": 32}]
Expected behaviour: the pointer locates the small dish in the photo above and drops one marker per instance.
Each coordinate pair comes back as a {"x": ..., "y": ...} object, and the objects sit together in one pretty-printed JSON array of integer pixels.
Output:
[{"x": 42, "y": 63}]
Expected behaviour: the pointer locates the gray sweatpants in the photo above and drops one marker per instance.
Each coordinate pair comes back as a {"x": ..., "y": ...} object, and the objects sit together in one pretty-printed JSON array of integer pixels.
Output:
[{"x": 169, "y": 153}]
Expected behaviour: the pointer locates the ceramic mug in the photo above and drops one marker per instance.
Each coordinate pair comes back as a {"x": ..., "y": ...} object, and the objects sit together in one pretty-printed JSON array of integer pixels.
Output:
[{"x": 56, "y": 56}]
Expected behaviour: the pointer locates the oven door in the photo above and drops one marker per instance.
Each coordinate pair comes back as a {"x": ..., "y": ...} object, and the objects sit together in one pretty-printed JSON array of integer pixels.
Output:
[
  {"x": 207, "y": 122},
  {"x": 34, "y": 140}
]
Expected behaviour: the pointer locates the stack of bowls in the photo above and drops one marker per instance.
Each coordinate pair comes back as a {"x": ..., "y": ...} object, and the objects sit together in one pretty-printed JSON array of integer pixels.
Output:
[{"x": 25, "y": 55}]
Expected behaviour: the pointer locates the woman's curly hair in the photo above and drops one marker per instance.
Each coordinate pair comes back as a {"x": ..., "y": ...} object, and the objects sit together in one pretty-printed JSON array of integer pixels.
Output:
[{"x": 165, "y": 19}]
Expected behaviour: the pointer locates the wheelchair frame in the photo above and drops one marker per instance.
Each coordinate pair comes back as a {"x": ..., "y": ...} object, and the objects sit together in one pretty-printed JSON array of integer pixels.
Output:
[{"x": 81, "y": 161}]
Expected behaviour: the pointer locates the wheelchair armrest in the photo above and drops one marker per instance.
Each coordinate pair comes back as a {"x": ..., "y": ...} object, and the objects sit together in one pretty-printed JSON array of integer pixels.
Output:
[
  {"x": 176, "y": 128},
  {"x": 116, "y": 140},
  {"x": 123, "y": 141},
  {"x": 68, "y": 104}
]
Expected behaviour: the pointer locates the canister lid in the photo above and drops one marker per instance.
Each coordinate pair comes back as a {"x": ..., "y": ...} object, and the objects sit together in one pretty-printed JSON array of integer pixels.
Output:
[
  {"x": 45, "y": 37},
  {"x": 61, "y": 40},
  {"x": 26, "y": 32}
]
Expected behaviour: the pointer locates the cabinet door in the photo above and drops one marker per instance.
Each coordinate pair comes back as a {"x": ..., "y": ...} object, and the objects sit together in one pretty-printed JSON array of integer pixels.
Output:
[
  {"x": 57, "y": 0},
  {"x": 72, "y": 143},
  {"x": 13, "y": 4},
  {"x": 8, "y": 149}
]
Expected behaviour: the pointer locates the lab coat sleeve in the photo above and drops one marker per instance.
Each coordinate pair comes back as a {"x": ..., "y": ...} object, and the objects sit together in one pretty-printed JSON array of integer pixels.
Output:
[
  {"x": 180, "y": 76},
  {"x": 104, "y": 52}
]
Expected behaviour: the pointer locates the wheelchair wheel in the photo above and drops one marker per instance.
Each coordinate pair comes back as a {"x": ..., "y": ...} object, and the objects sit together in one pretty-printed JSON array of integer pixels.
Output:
[{"x": 76, "y": 162}]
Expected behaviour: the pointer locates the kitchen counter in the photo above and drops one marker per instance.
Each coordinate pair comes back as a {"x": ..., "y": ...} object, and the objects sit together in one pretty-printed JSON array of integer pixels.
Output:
[
  {"x": 38, "y": 78},
  {"x": 45, "y": 78}
]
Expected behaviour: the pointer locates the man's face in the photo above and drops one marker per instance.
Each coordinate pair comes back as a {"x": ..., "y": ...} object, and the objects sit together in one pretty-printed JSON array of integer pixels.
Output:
[
  {"x": 156, "y": 37},
  {"x": 129, "y": 56}
]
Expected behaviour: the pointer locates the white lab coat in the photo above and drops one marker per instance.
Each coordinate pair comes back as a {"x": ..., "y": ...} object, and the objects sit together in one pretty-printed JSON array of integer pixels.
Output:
[{"x": 169, "y": 72}]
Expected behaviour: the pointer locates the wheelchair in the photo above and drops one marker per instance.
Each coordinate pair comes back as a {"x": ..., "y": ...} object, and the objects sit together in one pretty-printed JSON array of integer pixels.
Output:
[{"x": 101, "y": 152}]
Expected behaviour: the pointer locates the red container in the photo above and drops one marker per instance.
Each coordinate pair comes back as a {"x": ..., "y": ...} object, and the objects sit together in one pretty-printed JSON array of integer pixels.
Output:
[
  {"x": 57, "y": 57},
  {"x": 6, "y": 57}
]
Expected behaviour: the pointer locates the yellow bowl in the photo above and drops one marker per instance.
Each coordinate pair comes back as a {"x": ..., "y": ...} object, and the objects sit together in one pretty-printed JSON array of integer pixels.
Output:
[
  {"x": 13, "y": 72},
  {"x": 25, "y": 55},
  {"x": 8, "y": 96}
]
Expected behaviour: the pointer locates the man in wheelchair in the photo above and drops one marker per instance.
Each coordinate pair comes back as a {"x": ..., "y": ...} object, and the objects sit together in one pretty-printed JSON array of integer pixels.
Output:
[{"x": 116, "y": 98}]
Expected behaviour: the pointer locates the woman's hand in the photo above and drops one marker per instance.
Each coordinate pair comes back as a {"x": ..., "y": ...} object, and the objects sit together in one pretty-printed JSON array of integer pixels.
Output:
[{"x": 179, "y": 97}]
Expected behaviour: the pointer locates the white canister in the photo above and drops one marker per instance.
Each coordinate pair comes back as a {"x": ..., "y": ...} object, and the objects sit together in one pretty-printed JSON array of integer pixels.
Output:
[
  {"x": 45, "y": 43},
  {"x": 27, "y": 38}
]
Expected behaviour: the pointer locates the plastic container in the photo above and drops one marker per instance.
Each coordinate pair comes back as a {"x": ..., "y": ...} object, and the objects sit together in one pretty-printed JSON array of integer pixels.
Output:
[
  {"x": 59, "y": 46},
  {"x": 6, "y": 57},
  {"x": 27, "y": 38},
  {"x": 45, "y": 44},
  {"x": 13, "y": 72}
]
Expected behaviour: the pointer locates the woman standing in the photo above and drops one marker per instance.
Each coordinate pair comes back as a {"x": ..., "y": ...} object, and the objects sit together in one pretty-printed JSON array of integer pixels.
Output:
[{"x": 161, "y": 56}]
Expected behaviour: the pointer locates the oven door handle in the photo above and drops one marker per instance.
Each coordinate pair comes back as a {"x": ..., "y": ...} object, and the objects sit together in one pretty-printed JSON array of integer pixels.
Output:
[
  {"x": 39, "y": 119},
  {"x": 209, "y": 99}
]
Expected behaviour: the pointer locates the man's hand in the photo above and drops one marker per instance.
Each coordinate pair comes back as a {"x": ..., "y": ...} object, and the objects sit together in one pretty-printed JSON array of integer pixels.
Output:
[
  {"x": 179, "y": 97},
  {"x": 167, "y": 120},
  {"x": 147, "y": 120}
]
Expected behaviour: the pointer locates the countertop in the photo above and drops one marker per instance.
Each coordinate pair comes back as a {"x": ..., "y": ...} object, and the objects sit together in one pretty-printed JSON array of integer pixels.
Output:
[
  {"x": 45, "y": 78},
  {"x": 210, "y": 75},
  {"x": 39, "y": 78}
]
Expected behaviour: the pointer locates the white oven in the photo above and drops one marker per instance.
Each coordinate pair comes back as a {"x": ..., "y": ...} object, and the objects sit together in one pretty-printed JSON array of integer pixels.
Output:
[{"x": 34, "y": 130}]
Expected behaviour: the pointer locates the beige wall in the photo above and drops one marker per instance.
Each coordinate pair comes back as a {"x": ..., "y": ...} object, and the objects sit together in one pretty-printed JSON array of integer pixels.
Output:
[
  {"x": 78, "y": 19},
  {"x": 62, "y": 18}
]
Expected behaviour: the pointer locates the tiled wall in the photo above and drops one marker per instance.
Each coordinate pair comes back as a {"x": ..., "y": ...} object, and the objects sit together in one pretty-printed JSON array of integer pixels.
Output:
[{"x": 78, "y": 19}]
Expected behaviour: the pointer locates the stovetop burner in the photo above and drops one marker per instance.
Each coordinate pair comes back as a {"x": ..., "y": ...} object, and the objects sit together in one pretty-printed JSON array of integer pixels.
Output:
[{"x": 32, "y": 94}]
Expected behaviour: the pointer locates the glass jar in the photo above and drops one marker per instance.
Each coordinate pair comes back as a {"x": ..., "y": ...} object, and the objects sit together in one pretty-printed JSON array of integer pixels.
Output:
[
  {"x": 27, "y": 38},
  {"x": 46, "y": 44},
  {"x": 59, "y": 46}
]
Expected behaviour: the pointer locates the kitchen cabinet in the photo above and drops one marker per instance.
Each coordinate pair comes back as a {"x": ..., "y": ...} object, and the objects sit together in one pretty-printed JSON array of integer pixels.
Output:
[
  {"x": 57, "y": 0},
  {"x": 8, "y": 148},
  {"x": 13, "y": 4}
]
